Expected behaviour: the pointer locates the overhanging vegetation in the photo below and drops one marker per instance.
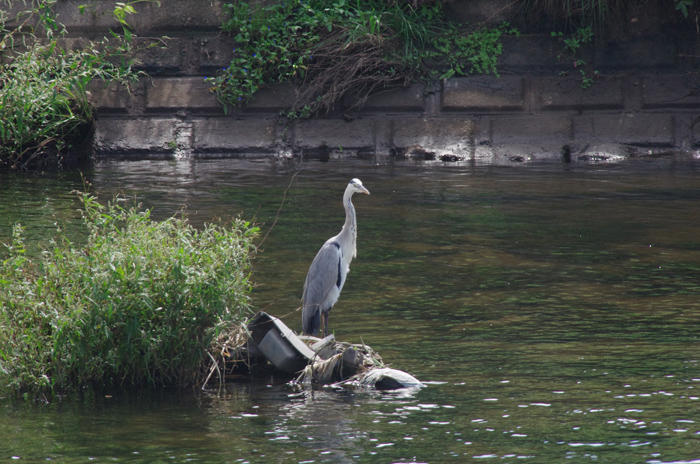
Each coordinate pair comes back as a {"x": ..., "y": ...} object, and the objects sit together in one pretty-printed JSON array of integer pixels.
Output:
[{"x": 347, "y": 50}]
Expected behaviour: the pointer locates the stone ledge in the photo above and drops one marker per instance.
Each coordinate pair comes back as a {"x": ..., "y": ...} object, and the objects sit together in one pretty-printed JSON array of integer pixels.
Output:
[
  {"x": 111, "y": 98},
  {"x": 542, "y": 129},
  {"x": 226, "y": 134},
  {"x": 484, "y": 93},
  {"x": 169, "y": 59},
  {"x": 211, "y": 53},
  {"x": 274, "y": 98},
  {"x": 410, "y": 98},
  {"x": 643, "y": 53},
  {"x": 605, "y": 93},
  {"x": 334, "y": 134},
  {"x": 670, "y": 91},
  {"x": 149, "y": 18},
  {"x": 558, "y": 93},
  {"x": 128, "y": 136},
  {"x": 531, "y": 53},
  {"x": 167, "y": 94},
  {"x": 643, "y": 129},
  {"x": 438, "y": 137},
  {"x": 566, "y": 93},
  {"x": 695, "y": 132}
]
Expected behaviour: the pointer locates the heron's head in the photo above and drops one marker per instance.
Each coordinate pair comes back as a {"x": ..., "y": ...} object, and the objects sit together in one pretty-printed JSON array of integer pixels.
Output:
[{"x": 356, "y": 186}]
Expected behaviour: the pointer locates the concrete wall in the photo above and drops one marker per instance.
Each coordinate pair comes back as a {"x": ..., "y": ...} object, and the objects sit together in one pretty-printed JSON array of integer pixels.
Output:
[{"x": 645, "y": 102}]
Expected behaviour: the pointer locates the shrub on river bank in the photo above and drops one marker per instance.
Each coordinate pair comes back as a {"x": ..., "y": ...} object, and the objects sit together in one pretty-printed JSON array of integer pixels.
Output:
[
  {"x": 138, "y": 304},
  {"x": 45, "y": 116}
]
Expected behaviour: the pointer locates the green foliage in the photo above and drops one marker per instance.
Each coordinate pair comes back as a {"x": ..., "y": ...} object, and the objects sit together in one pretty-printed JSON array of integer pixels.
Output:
[
  {"x": 265, "y": 52},
  {"x": 138, "y": 303},
  {"x": 44, "y": 109},
  {"x": 464, "y": 54},
  {"x": 346, "y": 48},
  {"x": 572, "y": 47},
  {"x": 43, "y": 102},
  {"x": 683, "y": 6}
]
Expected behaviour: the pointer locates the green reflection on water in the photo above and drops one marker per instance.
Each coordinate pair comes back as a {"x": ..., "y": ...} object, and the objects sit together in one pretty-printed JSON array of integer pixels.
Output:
[{"x": 554, "y": 309}]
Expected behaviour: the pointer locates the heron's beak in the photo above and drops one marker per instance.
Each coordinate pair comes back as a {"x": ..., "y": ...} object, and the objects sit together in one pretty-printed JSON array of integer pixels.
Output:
[{"x": 364, "y": 190}]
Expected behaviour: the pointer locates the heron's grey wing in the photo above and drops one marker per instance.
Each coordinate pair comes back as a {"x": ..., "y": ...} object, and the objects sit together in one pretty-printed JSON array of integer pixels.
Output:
[{"x": 324, "y": 274}]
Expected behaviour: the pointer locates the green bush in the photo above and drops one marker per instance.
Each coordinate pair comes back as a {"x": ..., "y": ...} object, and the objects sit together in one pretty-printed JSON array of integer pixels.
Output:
[
  {"x": 45, "y": 116},
  {"x": 347, "y": 49},
  {"x": 138, "y": 304}
]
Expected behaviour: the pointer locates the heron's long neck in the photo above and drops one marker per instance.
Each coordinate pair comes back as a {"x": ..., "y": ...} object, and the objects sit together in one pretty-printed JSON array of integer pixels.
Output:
[{"x": 350, "y": 226}]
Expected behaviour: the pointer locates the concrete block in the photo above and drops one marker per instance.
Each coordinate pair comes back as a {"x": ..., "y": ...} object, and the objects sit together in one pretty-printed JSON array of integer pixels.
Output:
[
  {"x": 110, "y": 98},
  {"x": 540, "y": 129},
  {"x": 480, "y": 11},
  {"x": 69, "y": 43},
  {"x": 410, "y": 98},
  {"x": 558, "y": 93},
  {"x": 670, "y": 91},
  {"x": 96, "y": 16},
  {"x": 605, "y": 93},
  {"x": 566, "y": 93},
  {"x": 212, "y": 53},
  {"x": 150, "y": 19},
  {"x": 531, "y": 53},
  {"x": 274, "y": 98},
  {"x": 181, "y": 93},
  {"x": 630, "y": 128},
  {"x": 512, "y": 140},
  {"x": 436, "y": 136},
  {"x": 226, "y": 134},
  {"x": 484, "y": 93},
  {"x": 166, "y": 58},
  {"x": 11, "y": 9},
  {"x": 695, "y": 132},
  {"x": 124, "y": 136},
  {"x": 335, "y": 134},
  {"x": 643, "y": 53},
  {"x": 689, "y": 50},
  {"x": 182, "y": 14}
]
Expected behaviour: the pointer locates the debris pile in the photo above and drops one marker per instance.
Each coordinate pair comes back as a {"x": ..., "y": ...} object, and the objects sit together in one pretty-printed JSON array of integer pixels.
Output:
[{"x": 314, "y": 362}]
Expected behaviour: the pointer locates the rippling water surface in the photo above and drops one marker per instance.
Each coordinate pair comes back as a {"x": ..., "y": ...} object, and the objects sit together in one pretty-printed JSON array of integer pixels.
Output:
[{"x": 552, "y": 310}]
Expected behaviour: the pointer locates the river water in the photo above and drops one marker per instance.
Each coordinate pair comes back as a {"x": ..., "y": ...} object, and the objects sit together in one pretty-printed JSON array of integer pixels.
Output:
[{"x": 552, "y": 311}]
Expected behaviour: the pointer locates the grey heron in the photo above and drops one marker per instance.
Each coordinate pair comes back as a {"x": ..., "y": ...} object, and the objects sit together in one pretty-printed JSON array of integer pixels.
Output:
[{"x": 330, "y": 267}]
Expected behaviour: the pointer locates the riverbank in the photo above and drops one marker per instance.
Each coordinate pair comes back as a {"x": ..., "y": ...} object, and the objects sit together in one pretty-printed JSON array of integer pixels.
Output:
[{"x": 628, "y": 95}]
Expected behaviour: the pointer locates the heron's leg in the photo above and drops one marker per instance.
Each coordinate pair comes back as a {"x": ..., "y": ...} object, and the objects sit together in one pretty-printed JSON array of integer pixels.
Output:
[{"x": 324, "y": 314}]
